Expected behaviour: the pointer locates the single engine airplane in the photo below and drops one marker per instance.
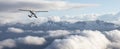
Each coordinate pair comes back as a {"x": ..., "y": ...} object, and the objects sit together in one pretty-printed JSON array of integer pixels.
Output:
[{"x": 32, "y": 12}]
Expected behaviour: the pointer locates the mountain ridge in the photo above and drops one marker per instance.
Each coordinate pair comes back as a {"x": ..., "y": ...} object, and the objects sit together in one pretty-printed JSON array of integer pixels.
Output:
[{"x": 63, "y": 25}]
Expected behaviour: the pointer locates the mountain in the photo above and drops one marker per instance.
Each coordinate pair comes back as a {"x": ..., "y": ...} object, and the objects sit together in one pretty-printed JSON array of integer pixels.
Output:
[{"x": 63, "y": 25}]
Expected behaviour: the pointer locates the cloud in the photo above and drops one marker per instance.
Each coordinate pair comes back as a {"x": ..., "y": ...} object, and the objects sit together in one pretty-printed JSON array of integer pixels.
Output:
[
  {"x": 12, "y": 18},
  {"x": 86, "y": 40},
  {"x": 7, "y": 43},
  {"x": 32, "y": 40},
  {"x": 114, "y": 37},
  {"x": 40, "y": 4},
  {"x": 114, "y": 18},
  {"x": 58, "y": 33},
  {"x": 75, "y": 39},
  {"x": 15, "y": 30},
  {"x": 81, "y": 17},
  {"x": 54, "y": 18}
]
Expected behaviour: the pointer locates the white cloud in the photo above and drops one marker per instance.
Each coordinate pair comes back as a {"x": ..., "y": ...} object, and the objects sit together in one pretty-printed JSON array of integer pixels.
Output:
[
  {"x": 12, "y": 18},
  {"x": 32, "y": 40},
  {"x": 96, "y": 38},
  {"x": 114, "y": 18},
  {"x": 114, "y": 37},
  {"x": 81, "y": 17},
  {"x": 58, "y": 33},
  {"x": 15, "y": 30},
  {"x": 54, "y": 18},
  {"x": 7, "y": 43},
  {"x": 73, "y": 42},
  {"x": 86, "y": 40}
]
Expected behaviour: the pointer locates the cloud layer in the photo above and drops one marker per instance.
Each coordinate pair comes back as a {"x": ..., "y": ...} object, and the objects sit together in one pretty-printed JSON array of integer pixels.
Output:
[
  {"x": 39, "y": 4},
  {"x": 86, "y": 40},
  {"x": 60, "y": 35},
  {"x": 74, "y": 40}
]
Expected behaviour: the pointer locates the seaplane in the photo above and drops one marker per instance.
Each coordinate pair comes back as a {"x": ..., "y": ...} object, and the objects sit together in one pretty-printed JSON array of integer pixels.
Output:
[{"x": 32, "y": 13}]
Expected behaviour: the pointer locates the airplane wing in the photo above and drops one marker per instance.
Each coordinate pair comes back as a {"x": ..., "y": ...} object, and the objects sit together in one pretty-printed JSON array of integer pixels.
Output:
[
  {"x": 24, "y": 10},
  {"x": 32, "y": 10},
  {"x": 40, "y": 11}
]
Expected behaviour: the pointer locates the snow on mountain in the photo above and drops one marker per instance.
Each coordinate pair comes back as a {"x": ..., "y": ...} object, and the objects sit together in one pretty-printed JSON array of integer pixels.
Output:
[{"x": 62, "y": 25}]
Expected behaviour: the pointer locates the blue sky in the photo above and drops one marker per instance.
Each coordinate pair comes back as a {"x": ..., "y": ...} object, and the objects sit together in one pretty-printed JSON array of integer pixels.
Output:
[{"x": 105, "y": 6}]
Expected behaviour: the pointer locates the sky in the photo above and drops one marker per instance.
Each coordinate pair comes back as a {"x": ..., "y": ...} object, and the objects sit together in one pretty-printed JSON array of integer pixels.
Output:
[
  {"x": 106, "y": 6},
  {"x": 103, "y": 7},
  {"x": 65, "y": 9}
]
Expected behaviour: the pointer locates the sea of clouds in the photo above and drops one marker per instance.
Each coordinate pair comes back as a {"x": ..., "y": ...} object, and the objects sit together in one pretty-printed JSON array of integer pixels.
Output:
[
  {"x": 52, "y": 34},
  {"x": 86, "y": 39}
]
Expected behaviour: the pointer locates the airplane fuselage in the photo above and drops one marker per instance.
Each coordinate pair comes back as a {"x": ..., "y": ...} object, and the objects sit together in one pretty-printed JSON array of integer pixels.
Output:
[{"x": 32, "y": 14}]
